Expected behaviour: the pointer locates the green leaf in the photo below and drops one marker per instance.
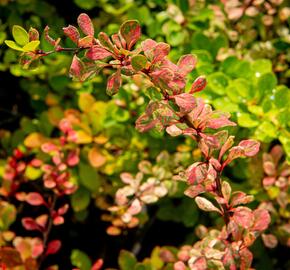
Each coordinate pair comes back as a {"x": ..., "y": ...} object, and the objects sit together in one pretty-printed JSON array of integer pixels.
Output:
[
  {"x": 266, "y": 83},
  {"x": 32, "y": 173},
  {"x": 11, "y": 44},
  {"x": 266, "y": 132},
  {"x": 138, "y": 62},
  {"x": 80, "y": 259},
  {"x": 31, "y": 46},
  {"x": 262, "y": 66},
  {"x": 86, "y": 102},
  {"x": 89, "y": 177},
  {"x": 126, "y": 260},
  {"x": 247, "y": 120},
  {"x": 7, "y": 215},
  {"x": 80, "y": 199},
  {"x": 282, "y": 97},
  {"x": 20, "y": 35},
  {"x": 218, "y": 82}
]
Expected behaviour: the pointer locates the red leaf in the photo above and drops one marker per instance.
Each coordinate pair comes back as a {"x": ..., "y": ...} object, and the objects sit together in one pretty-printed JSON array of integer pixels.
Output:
[
  {"x": 106, "y": 42},
  {"x": 226, "y": 146},
  {"x": 72, "y": 33},
  {"x": 34, "y": 198},
  {"x": 33, "y": 34},
  {"x": 131, "y": 32},
  {"x": 243, "y": 216},
  {"x": 97, "y": 53},
  {"x": 179, "y": 266},
  {"x": 114, "y": 83},
  {"x": 116, "y": 39},
  {"x": 219, "y": 119},
  {"x": 98, "y": 264},
  {"x": 30, "y": 224},
  {"x": 198, "y": 85},
  {"x": 73, "y": 158},
  {"x": 53, "y": 247},
  {"x": 239, "y": 197},
  {"x": 196, "y": 173},
  {"x": 48, "y": 38},
  {"x": 186, "y": 63},
  {"x": 250, "y": 147},
  {"x": 185, "y": 102},
  {"x": 154, "y": 51},
  {"x": 193, "y": 191},
  {"x": 246, "y": 259},
  {"x": 86, "y": 24},
  {"x": 76, "y": 67},
  {"x": 262, "y": 220},
  {"x": 62, "y": 210}
]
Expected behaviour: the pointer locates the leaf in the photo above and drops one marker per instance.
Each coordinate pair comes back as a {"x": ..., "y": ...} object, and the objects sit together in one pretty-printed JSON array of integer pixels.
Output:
[
  {"x": 97, "y": 53},
  {"x": 105, "y": 41},
  {"x": 247, "y": 120},
  {"x": 34, "y": 140},
  {"x": 80, "y": 200},
  {"x": 243, "y": 216},
  {"x": 114, "y": 83},
  {"x": 31, "y": 46},
  {"x": 53, "y": 247},
  {"x": 80, "y": 259},
  {"x": 239, "y": 197},
  {"x": 83, "y": 137},
  {"x": 206, "y": 205},
  {"x": 262, "y": 220},
  {"x": 86, "y": 102},
  {"x": 185, "y": 102},
  {"x": 11, "y": 44},
  {"x": 86, "y": 24},
  {"x": 270, "y": 240},
  {"x": 33, "y": 34},
  {"x": 10, "y": 257},
  {"x": 250, "y": 147},
  {"x": 138, "y": 62},
  {"x": 72, "y": 33},
  {"x": 226, "y": 190},
  {"x": 186, "y": 63},
  {"x": 29, "y": 224},
  {"x": 95, "y": 157},
  {"x": 76, "y": 67},
  {"x": 7, "y": 215},
  {"x": 198, "y": 85},
  {"x": 131, "y": 32},
  {"x": 126, "y": 260},
  {"x": 34, "y": 198},
  {"x": 20, "y": 35}
]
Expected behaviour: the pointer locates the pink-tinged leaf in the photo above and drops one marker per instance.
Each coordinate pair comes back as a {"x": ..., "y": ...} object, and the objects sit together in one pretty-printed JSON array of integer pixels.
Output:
[
  {"x": 243, "y": 216},
  {"x": 226, "y": 146},
  {"x": 235, "y": 13},
  {"x": 179, "y": 266},
  {"x": 185, "y": 102},
  {"x": 206, "y": 205},
  {"x": 173, "y": 130},
  {"x": 228, "y": 259},
  {"x": 135, "y": 208},
  {"x": 269, "y": 181},
  {"x": 198, "y": 85},
  {"x": 203, "y": 148},
  {"x": 29, "y": 224},
  {"x": 49, "y": 39},
  {"x": 114, "y": 83},
  {"x": 73, "y": 158},
  {"x": 86, "y": 24},
  {"x": 34, "y": 198},
  {"x": 106, "y": 42},
  {"x": 20, "y": 196},
  {"x": 200, "y": 263},
  {"x": 76, "y": 67},
  {"x": 33, "y": 34},
  {"x": 226, "y": 190},
  {"x": 72, "y": 33},
  {"x": 250, "y": 147},
  {"x": 270, "y": 240},
  {"x": 10, "y": 257},
  {"x": 147, "y": 45},
  {"x": 269, "y": 168},
  {"x": 131, "y": 32},
  {"x": 196, "y": 173},
  {"x": 58, "y": 220},
  {"x": 62, "y": 210},
  {"x": 127, "y": 178},
  {"x": 42, "y": 220},
  {"x": 186, "y": 63},
  {"x": 86, "y": 42},
  {"x": 37, "y": 247},
  {"x": 159, "y": 52},
  {"x": 262, "y": 220},
  {"x": 53, "y": 247},
  {"x": 246, "y": 259},
  {"x": 97, "y": 53},
  {"x": 194, "y": 191},
  {"x": 116, "y": 40},
  {"x": 239, "y": 197},
  {"x": 98, "y": 265},
  {"x": 219, "y": 119}
]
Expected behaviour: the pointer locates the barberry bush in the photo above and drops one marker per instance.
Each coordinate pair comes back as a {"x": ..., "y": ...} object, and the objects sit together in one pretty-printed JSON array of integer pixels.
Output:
[{"x": 159, "y": 148}]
